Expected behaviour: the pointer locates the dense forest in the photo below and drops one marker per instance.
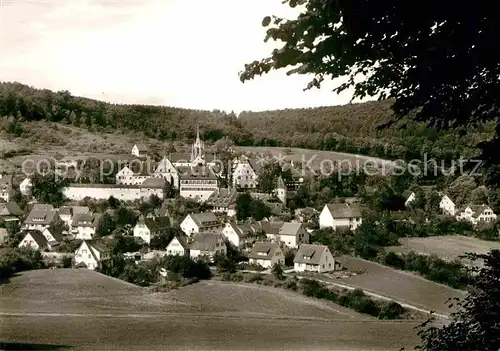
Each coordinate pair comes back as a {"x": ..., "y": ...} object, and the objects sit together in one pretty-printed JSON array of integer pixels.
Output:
[{"x": 351, "y": 128}]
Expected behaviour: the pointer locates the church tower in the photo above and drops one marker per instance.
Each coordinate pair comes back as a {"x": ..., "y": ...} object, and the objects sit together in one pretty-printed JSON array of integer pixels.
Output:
[{"x": 198, "y": 150}]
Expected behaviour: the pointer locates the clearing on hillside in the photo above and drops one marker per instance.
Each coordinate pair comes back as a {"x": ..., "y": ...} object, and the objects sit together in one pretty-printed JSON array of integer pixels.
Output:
[
  {"x": 401, "y": 286},
  {"x": 314, "y": 158},
  {"x": 449, "y": 247}
]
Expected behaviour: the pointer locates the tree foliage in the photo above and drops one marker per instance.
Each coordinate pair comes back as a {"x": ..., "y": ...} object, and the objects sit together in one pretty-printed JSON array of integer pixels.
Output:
[
  {"x": 476, "y": 325},
  {"x": 434, "y": 61}
]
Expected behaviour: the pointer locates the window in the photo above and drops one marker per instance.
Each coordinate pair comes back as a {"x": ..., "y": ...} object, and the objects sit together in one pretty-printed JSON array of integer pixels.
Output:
[{"x": 322, "y": 266}]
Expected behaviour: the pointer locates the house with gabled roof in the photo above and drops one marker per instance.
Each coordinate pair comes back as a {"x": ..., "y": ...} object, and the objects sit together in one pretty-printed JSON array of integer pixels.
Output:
[
  {"x": 147, "y": 228},
  {"x": 266, "y": 254},
  {"x": 291, "y": 234},
  {"x": 207, "y": 245},
  {"x": 200, "y": 222},
  {"x": 35, "y": 240},
  {"x": 10, "y": 212},
  {"x": 223, "y": 201},
  {"x": 243, "y": 174},
  {"x": 84, "y": 226},
  {"x": 177, "y": 247},
  {"x": 476, "y": 214},
  {"x": 40, "y": 217},
  {"x": 166, "y": 170},
  {"x": 447, "y": 205},
  {"x": 91, "y": 254},
  {"x": 66, "y": 213},
  {"x": 236, "y": 233},
  {"x": 139, "y": 150},
  {"x": 340, "y": 215},
  {"x": 314, "y": 258}
]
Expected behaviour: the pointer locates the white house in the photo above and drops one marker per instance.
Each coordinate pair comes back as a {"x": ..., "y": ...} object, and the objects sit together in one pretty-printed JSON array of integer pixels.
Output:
[
  {"x": 340, "y": 215},
  {"x": 291, "y": 234},
  {"x": 139, "y": 150},
  {"x": 177, "y": 247},
  {"x": 207, "y": 245},
  {"x": 477, "y": 214},
  {"x": 236, "y": 233},
  {"x": 266, "y": 254},
  {"x": 127, "y": 176},
  {"x": 84, "y": 226},
  {"x": 66, "y": 213},
  {"x": 25, "y": 186},
  {"x": 200, "y": 222},
  {"x": 447, "y": 205},
  {"x": 91, "y": 254},
  {"x": 314, "y": 258},
  {"x": 35, "y": 240},
  {"x": 147, "y": 228},
  {"x": 244, "y": 176}
]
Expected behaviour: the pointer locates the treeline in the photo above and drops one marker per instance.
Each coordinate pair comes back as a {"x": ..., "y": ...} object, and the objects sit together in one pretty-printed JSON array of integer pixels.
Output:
[
  {"x": 25, "y": 103},
  {"x": 352, "y": 128}
]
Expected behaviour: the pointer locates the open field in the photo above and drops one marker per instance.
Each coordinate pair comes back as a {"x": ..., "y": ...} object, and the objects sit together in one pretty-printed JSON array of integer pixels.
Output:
[
  {"x": 315, "y": 156},
  {"x": 86, "y": 310},
  {"x": 401, "y": 286},
  {"x": 446, "y": 247}
]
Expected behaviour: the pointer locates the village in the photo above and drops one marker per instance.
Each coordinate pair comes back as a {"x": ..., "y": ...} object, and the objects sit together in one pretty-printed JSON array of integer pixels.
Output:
[{"x": 74, "y": 235}]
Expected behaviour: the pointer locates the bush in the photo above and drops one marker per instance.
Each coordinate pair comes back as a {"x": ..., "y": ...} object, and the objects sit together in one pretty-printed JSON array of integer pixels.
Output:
[
  {"x": 18, "y": 260},
  {"x": 254, "y": 278},
  {"x": 391, "y": 310},
  {"x": 187, "y": 267},
  {"x": 66, "y": 261}
]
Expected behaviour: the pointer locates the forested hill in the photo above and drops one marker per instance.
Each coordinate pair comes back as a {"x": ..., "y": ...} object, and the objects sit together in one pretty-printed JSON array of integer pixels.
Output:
[
  {"x": 160, "y": 122},
  {"x": 354, "y": 128},
  {"x": 350, "y": 128}
]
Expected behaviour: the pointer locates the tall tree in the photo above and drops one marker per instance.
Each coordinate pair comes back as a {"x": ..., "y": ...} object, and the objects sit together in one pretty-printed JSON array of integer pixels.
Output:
[{"x": 436, "y": 61}]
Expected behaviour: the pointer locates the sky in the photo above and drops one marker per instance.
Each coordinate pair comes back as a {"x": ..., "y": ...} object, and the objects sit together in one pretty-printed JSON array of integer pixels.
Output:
[{"x": 182, "y": 53}]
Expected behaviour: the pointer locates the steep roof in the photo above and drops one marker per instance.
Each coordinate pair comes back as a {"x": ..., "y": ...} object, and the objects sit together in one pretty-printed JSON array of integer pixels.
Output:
[
  {"x": 38, "y": 238},
  {"x": 41, "y": 215},
  {"x": 280, "y": 183},
  {"x": 56, "y": 233},
  {"x": 240, "y": 229},
  {"x": 205, "y": 219},
  {"x": 290, "y": 228},
  {"x": 11, "y": 209},
  {"x": 85, "y": 220},
  {"x": 271, "y": 227},
  {"x": 159, "y": 223},
  {"x": 73, "y": 210},
  {"x": 193, "y": 173},
  {"x": 308, "y": 253},
  {"x": 141, "y": 147},
  {"x": 181, "y": 241},
  {"x": 222, "y": 198},
  {"x": 344, "y": 210},
  {"x": 153, "y": 183},
  {"x": 205, "y": 241},
  {"x": 263, "y": 250},
  {"x": 476, "y": 209}
]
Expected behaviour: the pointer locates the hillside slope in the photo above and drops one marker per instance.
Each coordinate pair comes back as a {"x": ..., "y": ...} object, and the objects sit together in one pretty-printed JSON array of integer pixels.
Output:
[{"x": 351, "y": 128}]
